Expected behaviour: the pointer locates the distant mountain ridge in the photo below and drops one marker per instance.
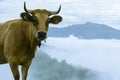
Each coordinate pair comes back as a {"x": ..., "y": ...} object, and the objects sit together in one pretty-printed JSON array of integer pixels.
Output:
[{"x": 86, "y": 31}]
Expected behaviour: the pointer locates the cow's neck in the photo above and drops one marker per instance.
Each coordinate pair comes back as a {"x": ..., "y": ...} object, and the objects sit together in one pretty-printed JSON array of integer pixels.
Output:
[{"x": 30, "y": 36}]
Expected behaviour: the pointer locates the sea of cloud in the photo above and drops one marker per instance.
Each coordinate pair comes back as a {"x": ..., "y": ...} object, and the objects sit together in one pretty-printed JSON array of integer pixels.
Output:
[
  {"x": 100, "y": 55},
  {"x": 96, "y": 55}
]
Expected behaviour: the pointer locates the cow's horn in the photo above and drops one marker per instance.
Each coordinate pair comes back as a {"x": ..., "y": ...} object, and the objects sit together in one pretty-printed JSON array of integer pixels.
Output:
[
  {"x": 56, "y": 12},
  {"x": 28, "y": 11}
]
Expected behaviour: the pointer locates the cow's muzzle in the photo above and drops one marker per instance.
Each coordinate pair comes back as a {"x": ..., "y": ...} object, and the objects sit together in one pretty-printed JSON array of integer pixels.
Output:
[{"x": 40, "y": 36}]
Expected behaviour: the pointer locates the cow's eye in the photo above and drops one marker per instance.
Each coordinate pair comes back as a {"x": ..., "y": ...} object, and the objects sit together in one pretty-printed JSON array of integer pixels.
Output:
[
  {"x": 34, "y": 20},
  {"x": 47, "y": 22}
]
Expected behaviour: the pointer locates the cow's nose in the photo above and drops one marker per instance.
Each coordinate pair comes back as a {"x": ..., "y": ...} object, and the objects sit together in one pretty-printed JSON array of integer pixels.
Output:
[{"x": 41, "y": 34}]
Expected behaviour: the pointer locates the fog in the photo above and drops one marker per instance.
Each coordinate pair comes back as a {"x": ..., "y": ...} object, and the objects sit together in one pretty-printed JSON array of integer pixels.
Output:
[
  {"x": 99, "y": 55},
  {"x": 73, "y": 59}
]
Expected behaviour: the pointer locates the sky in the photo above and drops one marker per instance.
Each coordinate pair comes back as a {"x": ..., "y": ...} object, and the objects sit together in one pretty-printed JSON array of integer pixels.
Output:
[{"x": 73, "y": 11}]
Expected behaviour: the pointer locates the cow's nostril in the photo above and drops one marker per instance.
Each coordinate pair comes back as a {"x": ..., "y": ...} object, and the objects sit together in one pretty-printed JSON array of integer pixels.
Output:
[{"x": 41, "y": 34}]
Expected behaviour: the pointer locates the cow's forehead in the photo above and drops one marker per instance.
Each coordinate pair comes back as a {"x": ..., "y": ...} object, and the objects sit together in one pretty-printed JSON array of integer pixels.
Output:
[{"x": 41, "y": 11}]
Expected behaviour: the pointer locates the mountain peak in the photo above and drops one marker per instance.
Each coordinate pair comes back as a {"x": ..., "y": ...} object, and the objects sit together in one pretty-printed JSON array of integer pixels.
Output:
[
  {"x": 87, "y": 30},
  {"x": 89, "y": 22}
]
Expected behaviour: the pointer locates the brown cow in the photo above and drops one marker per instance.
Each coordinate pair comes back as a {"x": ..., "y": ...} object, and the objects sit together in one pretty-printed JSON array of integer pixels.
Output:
[{"x": 19, "y": 38}]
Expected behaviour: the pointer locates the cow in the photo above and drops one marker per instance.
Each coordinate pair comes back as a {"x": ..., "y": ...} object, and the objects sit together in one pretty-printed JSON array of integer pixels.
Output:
[{"x": 20, "y": 38}]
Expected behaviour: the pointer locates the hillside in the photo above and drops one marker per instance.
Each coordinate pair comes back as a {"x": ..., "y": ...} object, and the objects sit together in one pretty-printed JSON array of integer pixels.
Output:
[
  {"x": 46, "y": 68},
  {"x": 86, "y": 31}
]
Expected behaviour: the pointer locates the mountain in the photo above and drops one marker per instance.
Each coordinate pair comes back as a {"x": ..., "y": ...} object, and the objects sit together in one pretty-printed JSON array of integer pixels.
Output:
[
  {"x": 46, "y": 68},
  {"x": 86, "y": 31}
]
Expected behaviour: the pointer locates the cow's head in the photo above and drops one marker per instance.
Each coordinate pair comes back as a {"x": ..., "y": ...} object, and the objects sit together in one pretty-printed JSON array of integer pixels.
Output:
[{"x": 41, "y": 18}]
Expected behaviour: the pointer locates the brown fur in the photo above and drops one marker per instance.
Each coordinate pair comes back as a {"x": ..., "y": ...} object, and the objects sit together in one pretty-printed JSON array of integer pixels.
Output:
[{"x": 18, "y": 42}]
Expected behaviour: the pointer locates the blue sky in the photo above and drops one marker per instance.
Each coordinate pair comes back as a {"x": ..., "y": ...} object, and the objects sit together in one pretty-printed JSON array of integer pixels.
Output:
[{"x": 73, "y": 11}]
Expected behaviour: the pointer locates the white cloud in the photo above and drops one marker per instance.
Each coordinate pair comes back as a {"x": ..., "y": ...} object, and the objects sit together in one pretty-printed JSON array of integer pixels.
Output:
[
  {"x": 100, "y": 55},
  {"x": 102, "y": 11}
]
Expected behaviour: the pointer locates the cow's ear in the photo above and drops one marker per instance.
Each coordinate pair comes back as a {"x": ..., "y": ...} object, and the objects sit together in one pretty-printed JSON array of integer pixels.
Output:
[
  {"x": 29, "y": 17},
  {"x": 55, "y": 19},
  {"x": 26, "y": 16}
]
